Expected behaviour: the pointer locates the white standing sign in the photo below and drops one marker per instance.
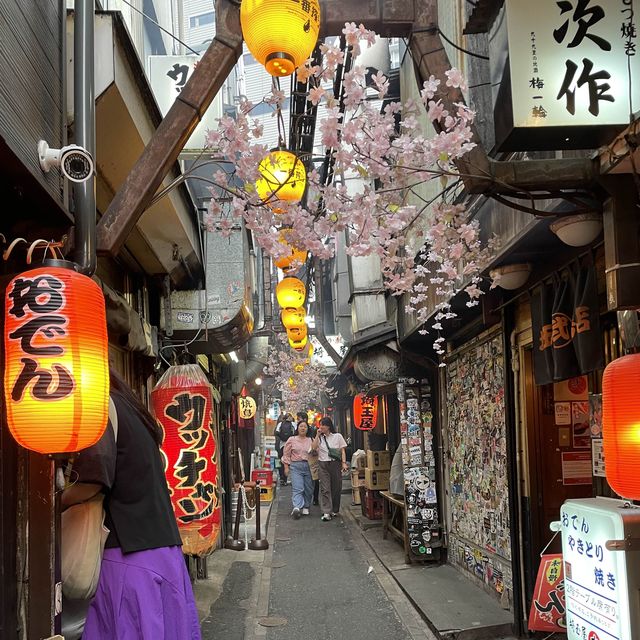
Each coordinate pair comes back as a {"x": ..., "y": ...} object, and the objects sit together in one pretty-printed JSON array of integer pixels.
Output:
[
  {"x": 599, "y": 581},
  {"x": 573, "y": 62}
]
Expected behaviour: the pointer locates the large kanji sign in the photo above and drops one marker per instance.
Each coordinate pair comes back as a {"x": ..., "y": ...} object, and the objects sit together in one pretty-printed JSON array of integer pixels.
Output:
[
  {"x": 548, "y": 611},
  {"x": 365, "y": 412},
  {"x": 183, "y": 405}
]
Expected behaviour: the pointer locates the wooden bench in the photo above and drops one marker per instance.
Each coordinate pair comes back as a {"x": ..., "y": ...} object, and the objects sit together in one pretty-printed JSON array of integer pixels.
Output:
[{"x": 394, "y": 521}]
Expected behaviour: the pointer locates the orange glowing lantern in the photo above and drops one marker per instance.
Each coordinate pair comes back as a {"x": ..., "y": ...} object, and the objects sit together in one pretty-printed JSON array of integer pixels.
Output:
[
  {"x": 365, "y": 412},
  {"x": 284, "y": 179},
  {"x": 291, "y": 293},
  {"x": 295, "y": 258},
  {"x": 298, "y": 345},
  {"x": 281, "y": 36},
  {"x": 297, "y": 333},
  {"x": 56, "y": 376},
  {"x": 621, "y": 425},
  {"x": 183, "y": 405},
  {"x": 293, "y": 318}
]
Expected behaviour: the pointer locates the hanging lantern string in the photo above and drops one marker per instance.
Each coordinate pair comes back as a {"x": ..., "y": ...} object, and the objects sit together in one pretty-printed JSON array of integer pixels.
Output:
[
  {"x": 282, "y": 140},
  {"x": 178, "y": 345},
  {"x": 52, "y": 246}
]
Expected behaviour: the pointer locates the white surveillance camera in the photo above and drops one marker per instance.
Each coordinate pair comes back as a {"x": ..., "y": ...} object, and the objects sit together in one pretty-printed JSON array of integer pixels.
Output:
[{"x": 75, "y": 162}]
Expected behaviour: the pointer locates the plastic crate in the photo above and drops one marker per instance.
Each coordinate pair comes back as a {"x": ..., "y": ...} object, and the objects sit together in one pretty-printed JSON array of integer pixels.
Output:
[
  {"x": 371, "y": 503},
  {"x": 263, "y": 476},
  {"x": 266, "y": 493}
]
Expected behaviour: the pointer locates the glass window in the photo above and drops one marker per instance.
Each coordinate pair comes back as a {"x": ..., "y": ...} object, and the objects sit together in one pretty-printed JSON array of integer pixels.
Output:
[{"x": 201, "y": 20}]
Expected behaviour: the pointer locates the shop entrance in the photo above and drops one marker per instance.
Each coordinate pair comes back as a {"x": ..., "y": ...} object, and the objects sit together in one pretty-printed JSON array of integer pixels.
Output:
[{"x": 557, "y": 446}]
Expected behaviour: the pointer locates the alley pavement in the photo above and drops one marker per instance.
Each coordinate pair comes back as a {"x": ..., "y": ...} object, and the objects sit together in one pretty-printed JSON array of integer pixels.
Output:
[{"x": 317, "y": 581}]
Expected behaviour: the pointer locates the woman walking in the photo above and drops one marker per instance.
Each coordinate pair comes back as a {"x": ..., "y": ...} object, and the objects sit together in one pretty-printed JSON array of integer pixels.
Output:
[
  {"x": 332, "y": 462},
  {"x": 296, "y": 462}
]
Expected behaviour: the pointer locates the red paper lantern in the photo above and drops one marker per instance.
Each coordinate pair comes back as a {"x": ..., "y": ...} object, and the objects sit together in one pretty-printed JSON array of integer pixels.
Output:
[
  {"x": 183, "y": 405},
  {"x": 365, "y": 412},
  {"x": 621, "y": 425},
  {"x": 56, "y": 377}
]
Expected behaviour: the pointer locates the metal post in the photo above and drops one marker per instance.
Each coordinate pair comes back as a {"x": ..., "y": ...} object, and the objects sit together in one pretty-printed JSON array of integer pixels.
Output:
[
  {"x": 257, "y": 544},
  {"x": 84, "y": 122},
  {"x": 233, "y": 542}
]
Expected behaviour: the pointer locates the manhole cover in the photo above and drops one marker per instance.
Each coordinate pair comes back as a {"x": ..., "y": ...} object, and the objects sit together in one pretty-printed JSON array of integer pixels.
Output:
[
  {"x": 276, "y": 565},
  {"x": 283, "y": 539},
  {"x": 272, "y": 621}
]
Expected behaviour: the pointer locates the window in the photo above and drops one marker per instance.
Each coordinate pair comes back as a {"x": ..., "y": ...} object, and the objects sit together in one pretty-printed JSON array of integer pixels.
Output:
[{"x": 201, "y": 20}]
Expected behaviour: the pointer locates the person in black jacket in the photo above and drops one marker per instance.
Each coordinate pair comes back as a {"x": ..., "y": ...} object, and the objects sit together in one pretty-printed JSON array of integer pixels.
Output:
[{"x": 284, "y": 430}]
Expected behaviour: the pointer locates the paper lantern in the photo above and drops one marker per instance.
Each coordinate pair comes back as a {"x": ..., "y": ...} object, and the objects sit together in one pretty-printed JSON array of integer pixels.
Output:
[
  {"x": 183, "y": 405},
  {"x": 298, "y": 367},
  {"x": 621, "y": 425},
  {"x": 365, "y": 412},
  {"x": 280, "y": 35},
  {"x": 298, "y": 345},
  {"x": 246, "y": 407},
  {"x": 56, "y": 377},
  {"x": 292, "y": 260},
  {"x": 297, "y": 333},
  {"x": 293, "y": 318},
  {"x": 291, "y": 293},
  {"x": 284, "y": 179}
]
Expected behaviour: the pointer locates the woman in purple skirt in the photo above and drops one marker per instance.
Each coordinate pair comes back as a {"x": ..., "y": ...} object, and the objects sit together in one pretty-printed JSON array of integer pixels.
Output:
[{"x": 144, "y": 592}]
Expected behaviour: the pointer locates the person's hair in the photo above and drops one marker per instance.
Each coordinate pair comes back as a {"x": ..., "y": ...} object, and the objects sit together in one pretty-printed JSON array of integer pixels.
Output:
[
  {"x": 120, "y": 389},
  {"x": 302, "y": 416},
  {"x": 328, "y": 422}
]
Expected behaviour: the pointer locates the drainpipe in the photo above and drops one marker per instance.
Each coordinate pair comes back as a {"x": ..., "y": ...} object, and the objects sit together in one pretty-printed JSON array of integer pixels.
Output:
[
  {"x": 260, "y": 287},
  {"x": 322, "y": 338},
  {"x": 84, "y": 123}
]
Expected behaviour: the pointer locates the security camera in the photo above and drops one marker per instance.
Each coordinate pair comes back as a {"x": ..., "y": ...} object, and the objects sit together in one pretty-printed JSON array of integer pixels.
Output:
[{"x": 75, "y": 162}]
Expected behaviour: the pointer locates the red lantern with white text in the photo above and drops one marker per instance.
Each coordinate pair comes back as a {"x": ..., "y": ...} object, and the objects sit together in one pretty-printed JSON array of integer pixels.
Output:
[
  {"x": 365, "y": 412},
  {"x": 56, "y": 376},
  {"x": 621, "y": 425},
  {"x": 183, "y": 405}
]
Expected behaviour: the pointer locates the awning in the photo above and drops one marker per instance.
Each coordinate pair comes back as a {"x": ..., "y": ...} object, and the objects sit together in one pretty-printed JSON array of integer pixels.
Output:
[{"x": 166, "y": 239}]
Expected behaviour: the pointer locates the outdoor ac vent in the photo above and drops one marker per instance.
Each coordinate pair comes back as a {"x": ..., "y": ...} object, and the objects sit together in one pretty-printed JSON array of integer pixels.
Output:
[{"x": 230, "y": 110}]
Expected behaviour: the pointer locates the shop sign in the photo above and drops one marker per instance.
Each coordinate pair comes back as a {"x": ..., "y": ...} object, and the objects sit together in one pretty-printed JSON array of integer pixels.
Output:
[
  {"x": 246, "y": 407},
  {"x": 548, "y": 607},
  {"x": 365, "y": 412},
  {"x": 571, "y": 68},
  {"x": 566, "y": 328},
  {"x": 597, "y": 583}
]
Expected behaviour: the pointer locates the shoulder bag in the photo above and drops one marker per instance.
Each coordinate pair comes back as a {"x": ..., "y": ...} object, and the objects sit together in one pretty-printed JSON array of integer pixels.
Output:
[
  {"x": 334, "y": 452},
  {"x": 83, "y": 539}
]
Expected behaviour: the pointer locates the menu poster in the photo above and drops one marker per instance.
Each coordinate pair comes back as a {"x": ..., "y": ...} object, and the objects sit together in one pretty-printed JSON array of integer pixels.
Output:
[
  {"x": 580, "y": 421},
  {"x": 562, "y": 413},
  {"x": 597, "y": 451},
  {"x": 576, "y": 467},
  {"x": 595, "y": 414}
]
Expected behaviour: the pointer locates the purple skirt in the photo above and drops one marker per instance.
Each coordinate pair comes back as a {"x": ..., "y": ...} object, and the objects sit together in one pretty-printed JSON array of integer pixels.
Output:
[{"x": 144, "y": 595}]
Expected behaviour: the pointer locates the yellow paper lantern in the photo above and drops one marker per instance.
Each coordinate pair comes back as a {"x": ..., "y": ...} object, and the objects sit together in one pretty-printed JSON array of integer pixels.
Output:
[
  {"x": 280, "y": 35},
  {"x": 297, "y": 333},
  {"x": 56, "y": 377},
  {"x": 298, "y": 368},
  {"x": 284, "y": 179},
  {"x": 298, "y": 345},
  {"x": 291, "y": 293},
  {"x": 293, "y": 318},
  {"x": 295, "y": 258}
]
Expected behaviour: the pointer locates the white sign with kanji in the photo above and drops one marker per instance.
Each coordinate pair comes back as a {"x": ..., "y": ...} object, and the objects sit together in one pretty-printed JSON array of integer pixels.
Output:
[
  {"x": 598, "y": 580},
  {"x": 573, "y": 62}
]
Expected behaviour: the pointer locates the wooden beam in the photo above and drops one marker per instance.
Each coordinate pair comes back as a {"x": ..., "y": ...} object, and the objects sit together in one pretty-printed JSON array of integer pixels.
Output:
[
  {"x": 388, "y": 18},
  {"x": 162, "y": 151}
]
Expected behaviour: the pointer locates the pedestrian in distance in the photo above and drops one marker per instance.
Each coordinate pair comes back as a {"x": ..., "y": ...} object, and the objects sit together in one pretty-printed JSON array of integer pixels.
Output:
[
  {"x": 144, "y": 591},
  {"x": 332, "y": 463},
  {"x": 296, "y": 463},
  {"x": 284, "y": 431}
]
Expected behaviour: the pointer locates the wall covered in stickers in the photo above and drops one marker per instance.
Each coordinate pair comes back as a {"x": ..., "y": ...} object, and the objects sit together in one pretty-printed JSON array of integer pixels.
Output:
[{"x": 477, "y": 461}]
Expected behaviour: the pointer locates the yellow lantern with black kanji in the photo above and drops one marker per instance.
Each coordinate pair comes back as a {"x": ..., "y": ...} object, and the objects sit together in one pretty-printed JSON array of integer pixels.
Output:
[
  {"x": 283, "y": 179},
  {"x": 294, "y": 258},
  {"x": 293, "y": 318},
  {"x": 280, "y": 35},
  {"x": 291, "y": 293}
]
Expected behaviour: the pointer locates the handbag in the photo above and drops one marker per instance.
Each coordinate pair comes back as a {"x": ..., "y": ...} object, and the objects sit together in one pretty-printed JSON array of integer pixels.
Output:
[
  {"x": 334, "y": 452},
  {"x": 83, "y": 538}
]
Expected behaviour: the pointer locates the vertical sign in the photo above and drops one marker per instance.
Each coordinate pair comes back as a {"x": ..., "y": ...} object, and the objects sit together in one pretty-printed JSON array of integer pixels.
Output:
[
  {"x": 597, "y": 586},
  {"x": 547, "y": 607}
]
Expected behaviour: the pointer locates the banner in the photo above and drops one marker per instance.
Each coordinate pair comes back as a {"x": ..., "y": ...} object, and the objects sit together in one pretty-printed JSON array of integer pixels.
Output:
[
  {"x": 548, "y": 607},
  {"x": 566, "y": 328}
]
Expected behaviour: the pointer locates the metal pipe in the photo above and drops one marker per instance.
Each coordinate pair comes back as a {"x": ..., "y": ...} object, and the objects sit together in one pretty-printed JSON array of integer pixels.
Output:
[
  {"x": 320, "y": 334},
  {"x": 260, "y": 286},
  {"x": 84, "y": 116}
]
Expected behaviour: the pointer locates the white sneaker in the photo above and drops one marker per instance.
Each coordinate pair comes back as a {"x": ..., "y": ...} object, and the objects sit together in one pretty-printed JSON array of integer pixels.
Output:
[
  {"x": 325, "y": 517},
  {"x": 305, "y": 512},
  {"x": 295, "y": 514}
]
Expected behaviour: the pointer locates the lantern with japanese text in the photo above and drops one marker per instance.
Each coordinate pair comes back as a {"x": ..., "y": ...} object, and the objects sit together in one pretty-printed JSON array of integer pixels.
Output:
[
  {"x": 294, "y": 257},
  {"x": 56, "y": 376},
  {"x": 246, "y": 407},
  {"x": 621, "y": 425},
  {"x": 365, "y": 412},
  {"x": 291, "y": 293},
  {"x": 280, "y": 35},
  {"x": 283, "y": 179},
  {"x": 183, "y": 405},
  {"x": 293, "y": 318}
]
